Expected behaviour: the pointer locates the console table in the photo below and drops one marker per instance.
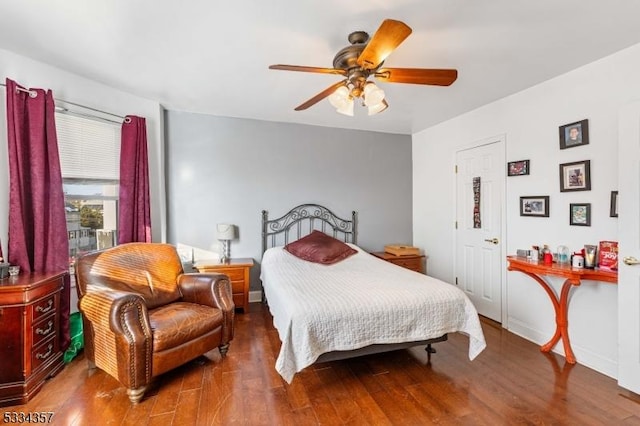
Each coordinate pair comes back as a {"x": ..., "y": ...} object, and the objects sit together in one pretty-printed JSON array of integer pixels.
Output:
[{"x": 574, "y": 277}]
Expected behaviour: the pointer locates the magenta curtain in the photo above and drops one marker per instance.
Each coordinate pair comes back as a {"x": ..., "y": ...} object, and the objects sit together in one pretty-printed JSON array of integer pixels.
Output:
[
  {"x": 134, "y": 212},
  {"x": 37, "y": 222}
]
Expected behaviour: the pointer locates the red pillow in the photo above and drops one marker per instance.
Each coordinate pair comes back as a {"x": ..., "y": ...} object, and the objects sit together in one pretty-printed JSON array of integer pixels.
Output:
[{"x": 318, "y": 247}]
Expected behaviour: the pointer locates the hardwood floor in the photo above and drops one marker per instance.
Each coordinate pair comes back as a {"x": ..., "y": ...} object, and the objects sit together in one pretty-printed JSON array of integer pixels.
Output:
[{"x": 511, "y": 382}]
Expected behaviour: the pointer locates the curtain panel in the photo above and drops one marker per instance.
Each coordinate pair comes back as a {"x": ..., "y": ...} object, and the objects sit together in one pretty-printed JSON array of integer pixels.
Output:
[
  {"x": 134, "y": 211},
  {"x": 38, "y": 239}
]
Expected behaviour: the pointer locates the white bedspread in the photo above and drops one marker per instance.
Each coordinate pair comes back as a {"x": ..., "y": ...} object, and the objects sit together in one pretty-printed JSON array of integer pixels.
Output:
[{"x": 357, "y": 302}]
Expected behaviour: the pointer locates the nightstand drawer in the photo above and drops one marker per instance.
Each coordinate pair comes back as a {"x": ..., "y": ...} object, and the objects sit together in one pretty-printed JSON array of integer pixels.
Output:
[
  {"x": 414, "y": 264},
  {"x": 234, "y": 274},
  {"x": 237, "y": 286},
  {"x": 238, "y": 299}
]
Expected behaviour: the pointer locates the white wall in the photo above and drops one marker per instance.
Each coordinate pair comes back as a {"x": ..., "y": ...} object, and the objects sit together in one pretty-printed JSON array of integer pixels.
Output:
[
  {"x": 74, "y": 88},
  {"x": 530, "y": 121}
]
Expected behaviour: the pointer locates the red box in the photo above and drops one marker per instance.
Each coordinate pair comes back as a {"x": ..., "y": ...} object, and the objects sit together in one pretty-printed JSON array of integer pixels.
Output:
[{"x": 608, "y": 255}]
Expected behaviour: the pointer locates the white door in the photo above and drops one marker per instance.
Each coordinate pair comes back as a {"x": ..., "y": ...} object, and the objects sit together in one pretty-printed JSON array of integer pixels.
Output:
[
  {"x": 629, "y": 246},
  {"x": 479, "y": 210}
]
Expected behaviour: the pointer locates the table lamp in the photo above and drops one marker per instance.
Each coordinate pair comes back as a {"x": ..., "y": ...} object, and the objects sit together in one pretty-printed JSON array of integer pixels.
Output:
[{"x": 226, "y": 232}]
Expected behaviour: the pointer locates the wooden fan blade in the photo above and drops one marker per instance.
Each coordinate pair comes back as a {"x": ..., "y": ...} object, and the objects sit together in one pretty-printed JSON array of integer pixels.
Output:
[
  {"x": 320, "y": 96},
  {"x": 434, "y": 77},
  {"x": 389, "y": 36},
  {"x": 308, "y": 69}
]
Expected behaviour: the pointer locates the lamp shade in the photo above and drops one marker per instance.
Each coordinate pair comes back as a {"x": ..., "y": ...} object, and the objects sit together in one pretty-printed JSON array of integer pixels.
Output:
[
  {"x": 373, "y": 95},
  {"x": 374, "y": 109},
  {"x": 346, "y": 108},
  {"x": 226, "y": 231},
  {"x": 338, "y": 98}
]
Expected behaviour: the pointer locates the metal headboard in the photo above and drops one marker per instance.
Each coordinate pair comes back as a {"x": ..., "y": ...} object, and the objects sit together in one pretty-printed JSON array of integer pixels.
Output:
[{"x": 304, "y": 219}]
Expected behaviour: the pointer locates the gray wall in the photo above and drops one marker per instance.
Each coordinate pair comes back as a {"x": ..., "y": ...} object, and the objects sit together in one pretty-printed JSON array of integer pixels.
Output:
[{"x": 228, "y": 170}]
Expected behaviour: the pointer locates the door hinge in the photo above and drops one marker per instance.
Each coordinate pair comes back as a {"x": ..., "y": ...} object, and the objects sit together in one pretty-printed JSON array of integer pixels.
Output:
[
  {"x": 456, "y": 280},
  {"x": 456, "y": 224},
  {"x": 455, "y": 168}
]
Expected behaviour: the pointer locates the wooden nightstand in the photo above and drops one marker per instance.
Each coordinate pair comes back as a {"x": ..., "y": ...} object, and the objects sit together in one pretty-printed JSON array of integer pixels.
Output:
[
  {"x": 415, "y": 262},
  {"x": 239, "y": 272}
]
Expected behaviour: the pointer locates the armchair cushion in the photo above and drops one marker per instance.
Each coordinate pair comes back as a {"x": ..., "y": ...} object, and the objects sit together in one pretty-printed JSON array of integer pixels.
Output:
[{"x": 177, "y": 323}]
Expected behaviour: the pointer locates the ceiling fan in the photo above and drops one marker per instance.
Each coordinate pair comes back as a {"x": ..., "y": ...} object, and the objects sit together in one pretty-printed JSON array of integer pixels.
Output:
[{"x": 364, "y": 58}]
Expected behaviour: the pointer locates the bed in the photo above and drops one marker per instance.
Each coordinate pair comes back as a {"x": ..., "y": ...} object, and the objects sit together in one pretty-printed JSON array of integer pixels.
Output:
[{"x": 358, "y": 305}]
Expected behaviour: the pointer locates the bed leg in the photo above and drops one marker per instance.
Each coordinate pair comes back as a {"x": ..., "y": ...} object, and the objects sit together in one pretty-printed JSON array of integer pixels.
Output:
[{"x": 430, "y": 350}]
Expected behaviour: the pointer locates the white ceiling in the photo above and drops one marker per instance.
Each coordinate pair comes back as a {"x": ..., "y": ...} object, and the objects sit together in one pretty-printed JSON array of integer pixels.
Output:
[{"x": 212, "y": 56}]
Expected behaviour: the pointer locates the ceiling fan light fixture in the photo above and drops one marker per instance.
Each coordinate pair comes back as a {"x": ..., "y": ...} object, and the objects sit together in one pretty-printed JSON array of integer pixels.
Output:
[
  {"x": 373, "y": 95},
  {"x": 338, "y": 98},
  {"x": 378, "y": 108},
  {"x": 346, "y": 108}
]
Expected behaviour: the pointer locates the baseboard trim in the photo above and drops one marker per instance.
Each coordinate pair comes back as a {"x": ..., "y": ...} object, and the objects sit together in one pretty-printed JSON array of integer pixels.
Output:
[{"x": 255, "y": 296}]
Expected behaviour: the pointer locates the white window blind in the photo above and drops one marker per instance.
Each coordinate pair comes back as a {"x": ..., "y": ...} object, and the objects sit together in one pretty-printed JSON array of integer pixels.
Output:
[{"x": 89, "y": 149}]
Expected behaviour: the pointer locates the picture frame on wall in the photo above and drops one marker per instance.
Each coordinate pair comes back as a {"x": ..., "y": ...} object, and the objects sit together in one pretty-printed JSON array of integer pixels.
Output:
[
  {"x": 575, "y": 176},
  {"x": 518, "y": 168},
  {"x": 580, "y": 214},
  {"x": 613, "y": 209},
  {"x": 536, "y": 206},
  {"x": 574, "y": 134}
]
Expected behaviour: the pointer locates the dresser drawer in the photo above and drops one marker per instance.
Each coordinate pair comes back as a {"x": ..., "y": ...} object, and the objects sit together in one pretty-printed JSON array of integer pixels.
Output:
[
  {"x": 44, "y": 307},
  {"x": 43, "y": 352},
  {"x": 43, "y": 329}
]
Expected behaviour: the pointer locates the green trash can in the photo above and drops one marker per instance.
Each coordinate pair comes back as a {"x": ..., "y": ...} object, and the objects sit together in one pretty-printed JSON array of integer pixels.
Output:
[{"x": 77, "y": 338}]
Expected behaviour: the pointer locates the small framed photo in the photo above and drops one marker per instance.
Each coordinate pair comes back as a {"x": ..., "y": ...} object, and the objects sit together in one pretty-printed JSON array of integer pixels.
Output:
[
  {"x": 518, "y": 168},
  {"x": 580, "y": 214},
  {"x": 574, "y": 134},
  {"x": 534, "y": 206},
  {"x": 575, "y": 176},
  {"x": 613, "y": 210}
]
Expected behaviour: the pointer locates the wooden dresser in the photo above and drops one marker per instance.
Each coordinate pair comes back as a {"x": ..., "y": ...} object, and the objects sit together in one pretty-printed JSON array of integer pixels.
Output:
[
  {"x": 29, "y": 334},
  {"x": 239, "y": 272},
  {"x": 415, "y": 262}
]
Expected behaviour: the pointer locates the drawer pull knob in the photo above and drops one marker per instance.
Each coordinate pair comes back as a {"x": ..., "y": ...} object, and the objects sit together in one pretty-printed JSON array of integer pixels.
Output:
[
  {"x": 45, "y": 309},
  {"x": 46, "y": 354},
  {"x": 47, "y": 330}
]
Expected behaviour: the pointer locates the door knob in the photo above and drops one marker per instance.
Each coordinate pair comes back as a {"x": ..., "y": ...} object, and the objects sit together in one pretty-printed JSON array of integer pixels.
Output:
[
  {"x": 630, "y": 260},
  {"x": 492, "y": 240}
]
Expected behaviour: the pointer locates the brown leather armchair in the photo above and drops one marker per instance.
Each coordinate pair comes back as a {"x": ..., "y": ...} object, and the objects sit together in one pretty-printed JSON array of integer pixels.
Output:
[{"x": 143, "y": 316}]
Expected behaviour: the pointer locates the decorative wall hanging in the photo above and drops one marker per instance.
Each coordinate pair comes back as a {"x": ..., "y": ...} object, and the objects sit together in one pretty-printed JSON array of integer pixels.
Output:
[
  {"x": 518, "y": 168},
  {"x": 574, "y": 134},
  {"x": 575, "y": 176},
  {"x": 535, "y": 205},
  {"x": 613, "y": 209},
  {"x": 580, "y": 214},
  {"x": 476, "y": 203}
]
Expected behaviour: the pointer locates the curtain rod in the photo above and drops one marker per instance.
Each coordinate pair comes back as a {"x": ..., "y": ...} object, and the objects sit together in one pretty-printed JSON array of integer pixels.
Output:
[{"x": 34, "y": 94}]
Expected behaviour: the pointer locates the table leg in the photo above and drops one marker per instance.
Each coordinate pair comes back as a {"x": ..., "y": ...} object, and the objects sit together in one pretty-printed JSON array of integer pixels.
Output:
[{"x": 561, "y": 310}]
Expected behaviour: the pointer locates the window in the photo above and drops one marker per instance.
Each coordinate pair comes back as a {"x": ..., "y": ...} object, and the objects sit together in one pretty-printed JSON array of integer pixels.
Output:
[{"x": 89, "y": 159}]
